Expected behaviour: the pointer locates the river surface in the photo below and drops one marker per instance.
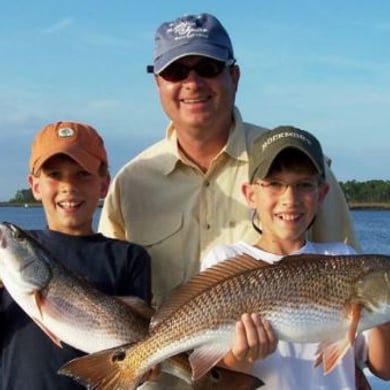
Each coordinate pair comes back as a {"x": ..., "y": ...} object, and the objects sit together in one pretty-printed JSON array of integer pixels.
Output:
[{"x": 372, "y": 228}]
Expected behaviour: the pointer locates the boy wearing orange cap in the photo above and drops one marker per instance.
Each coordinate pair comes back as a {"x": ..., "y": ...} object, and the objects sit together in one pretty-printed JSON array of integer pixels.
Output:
[{"x": 69, "y": 174}]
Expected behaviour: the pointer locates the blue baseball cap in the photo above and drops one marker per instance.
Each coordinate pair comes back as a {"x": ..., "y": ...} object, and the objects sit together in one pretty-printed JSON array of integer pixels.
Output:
[{"x": 201, "y": 35}]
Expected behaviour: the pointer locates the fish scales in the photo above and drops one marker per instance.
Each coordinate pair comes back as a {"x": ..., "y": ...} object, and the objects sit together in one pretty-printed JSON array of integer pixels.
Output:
[
  {"x": 63, "y": 304},
  {"x": 69, "y": 309},
  {"x": 79, "y": 301},
  {"x": 306, "y": 298},
  {"x": 266, "y": 291}
]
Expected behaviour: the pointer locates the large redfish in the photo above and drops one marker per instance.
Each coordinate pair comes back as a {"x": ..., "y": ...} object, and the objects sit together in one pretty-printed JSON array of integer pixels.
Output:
[
  {"x": 306, "y": 298},
  {"x": 68, "y": 309},
  {"x": 63, "y": 305}
]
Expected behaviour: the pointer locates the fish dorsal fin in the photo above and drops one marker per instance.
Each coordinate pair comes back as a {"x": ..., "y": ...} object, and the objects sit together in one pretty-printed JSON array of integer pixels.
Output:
[{"x": 203, "y": 281}]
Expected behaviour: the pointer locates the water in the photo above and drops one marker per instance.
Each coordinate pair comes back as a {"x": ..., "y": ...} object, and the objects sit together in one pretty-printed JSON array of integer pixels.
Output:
[
  {"x": 31, "y": 217},
  {"x": 372, "y": 228}
]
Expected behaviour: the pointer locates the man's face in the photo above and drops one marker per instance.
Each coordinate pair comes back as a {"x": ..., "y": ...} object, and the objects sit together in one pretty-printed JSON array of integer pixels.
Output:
[{"x": 197, "y": 101}]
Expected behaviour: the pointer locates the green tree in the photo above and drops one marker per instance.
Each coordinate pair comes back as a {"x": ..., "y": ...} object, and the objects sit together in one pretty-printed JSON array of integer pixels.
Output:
[
  {"x": 23, "y": 196},
  {"x": 371, "y": 191}
]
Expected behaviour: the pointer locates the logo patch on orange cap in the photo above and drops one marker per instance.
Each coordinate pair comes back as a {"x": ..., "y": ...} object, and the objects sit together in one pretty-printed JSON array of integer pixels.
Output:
[{"x": 65, "y": 132}]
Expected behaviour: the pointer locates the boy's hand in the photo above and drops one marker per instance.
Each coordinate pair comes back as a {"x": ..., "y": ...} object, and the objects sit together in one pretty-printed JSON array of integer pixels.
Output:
[{"x": 254, "y": 340}]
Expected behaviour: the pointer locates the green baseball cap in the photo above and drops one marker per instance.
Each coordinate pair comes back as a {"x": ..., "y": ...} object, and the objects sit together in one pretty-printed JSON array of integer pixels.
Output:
[{"x": 269, "y": 144}]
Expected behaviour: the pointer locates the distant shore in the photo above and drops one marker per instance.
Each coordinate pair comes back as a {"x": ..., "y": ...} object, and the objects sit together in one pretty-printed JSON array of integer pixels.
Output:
[
  {"x": 369, "y": 206},
  {"x": 8, "y": 204},
  {"x": 352, "y": 205},
  {"x": 26, "y": 205}
]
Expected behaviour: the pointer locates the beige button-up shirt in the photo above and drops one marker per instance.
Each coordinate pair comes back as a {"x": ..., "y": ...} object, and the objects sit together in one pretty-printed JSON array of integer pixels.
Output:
[{"x": 167, "y": 204}]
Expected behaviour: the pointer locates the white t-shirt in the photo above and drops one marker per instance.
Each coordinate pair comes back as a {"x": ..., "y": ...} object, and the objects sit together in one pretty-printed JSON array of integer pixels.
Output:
[{"x": 290, "y": 367}]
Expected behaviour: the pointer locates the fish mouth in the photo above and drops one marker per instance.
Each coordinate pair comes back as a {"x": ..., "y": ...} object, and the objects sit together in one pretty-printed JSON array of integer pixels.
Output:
[{"x": 3, "y": 233}]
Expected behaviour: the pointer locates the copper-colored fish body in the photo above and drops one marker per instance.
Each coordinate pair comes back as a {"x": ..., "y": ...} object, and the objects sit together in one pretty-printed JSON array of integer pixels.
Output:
[
  {"x": 70, "y": 310},
  {"x": 307, "y": 298}
]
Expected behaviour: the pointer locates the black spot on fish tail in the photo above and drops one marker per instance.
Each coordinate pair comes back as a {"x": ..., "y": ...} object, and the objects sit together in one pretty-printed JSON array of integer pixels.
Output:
[{"x": 118, "y": 356}]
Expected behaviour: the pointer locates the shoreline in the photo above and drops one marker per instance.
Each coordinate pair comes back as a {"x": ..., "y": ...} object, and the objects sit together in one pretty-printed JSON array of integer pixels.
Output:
[
  {"x": 368, "y": 206},
  {"x": 352, "y": 205}
]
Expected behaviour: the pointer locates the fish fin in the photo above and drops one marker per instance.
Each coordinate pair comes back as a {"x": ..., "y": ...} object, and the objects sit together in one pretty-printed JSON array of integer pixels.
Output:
[
  {"x": 331, "y": 353},
  {"x": 48, "y": 333},
  {"x": 38, "y": 302},
  {"x": 104, "y": 370},
  {"x": 138, "y": 305},
  {"x": 204, "y": 281},
  {"x": 39, "y": 321},
  {"x": 178, "y": 366},
  {"x": 206, "y": 357},
  {"x": 355, "y": 312},
  {"x": 223, "y": 378},
  {"x": 216, "y": 377}
]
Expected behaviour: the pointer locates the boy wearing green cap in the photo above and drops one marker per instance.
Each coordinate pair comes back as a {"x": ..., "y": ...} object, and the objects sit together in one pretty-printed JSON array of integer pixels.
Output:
[{"x": 287, "y": 184}]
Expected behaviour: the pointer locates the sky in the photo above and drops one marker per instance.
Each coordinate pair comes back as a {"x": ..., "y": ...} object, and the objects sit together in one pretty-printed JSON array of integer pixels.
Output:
[{"x": 323, "y": 66}]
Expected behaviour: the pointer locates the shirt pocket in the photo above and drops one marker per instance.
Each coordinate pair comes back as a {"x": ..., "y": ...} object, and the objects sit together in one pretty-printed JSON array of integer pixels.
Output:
[{"x": 163, "y": 239}]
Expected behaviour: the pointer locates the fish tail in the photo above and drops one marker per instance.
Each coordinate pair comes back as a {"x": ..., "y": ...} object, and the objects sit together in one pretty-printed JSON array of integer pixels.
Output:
[{"x": 105, "y": 370}]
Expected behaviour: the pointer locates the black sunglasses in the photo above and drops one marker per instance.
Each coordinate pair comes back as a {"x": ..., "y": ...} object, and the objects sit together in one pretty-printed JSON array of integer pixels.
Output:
[{"x": 206, "y": 67}]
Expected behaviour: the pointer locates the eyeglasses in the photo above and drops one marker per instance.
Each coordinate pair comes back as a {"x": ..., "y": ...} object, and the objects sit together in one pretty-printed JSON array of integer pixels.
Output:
[
  {"x": 277, "y": 187},
  {"x": 206, "y": 67}
]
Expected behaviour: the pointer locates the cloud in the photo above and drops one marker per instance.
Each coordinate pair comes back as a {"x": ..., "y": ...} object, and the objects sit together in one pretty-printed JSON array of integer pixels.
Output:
[{"x": 61, "y": 25}]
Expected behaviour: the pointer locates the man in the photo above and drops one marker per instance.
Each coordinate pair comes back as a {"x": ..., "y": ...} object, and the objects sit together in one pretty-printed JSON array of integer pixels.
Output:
[{"x": 181, "y": 196}]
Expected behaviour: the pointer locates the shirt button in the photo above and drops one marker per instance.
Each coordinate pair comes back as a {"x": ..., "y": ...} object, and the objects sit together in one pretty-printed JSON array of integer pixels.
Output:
[
  {"x": 232, "y": 224},
  {"x": 208, "y": 227},
  {"x": 207, "y": 183}
]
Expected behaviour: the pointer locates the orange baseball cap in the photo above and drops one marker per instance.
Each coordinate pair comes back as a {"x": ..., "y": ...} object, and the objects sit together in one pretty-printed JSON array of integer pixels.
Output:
[{"x": 79, "y": 141}]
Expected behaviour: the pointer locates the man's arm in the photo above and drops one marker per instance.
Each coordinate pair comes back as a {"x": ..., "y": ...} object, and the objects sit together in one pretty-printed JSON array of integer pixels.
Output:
[{"x": 111, "y": 222}]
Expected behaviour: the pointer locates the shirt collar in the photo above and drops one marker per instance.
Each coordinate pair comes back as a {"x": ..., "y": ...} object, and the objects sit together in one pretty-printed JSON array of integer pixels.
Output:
[{"x": 235, "y": 148}]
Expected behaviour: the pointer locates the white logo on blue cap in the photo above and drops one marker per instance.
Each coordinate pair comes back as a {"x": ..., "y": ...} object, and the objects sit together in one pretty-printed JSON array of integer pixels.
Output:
[{"x": 187, "y": 29}]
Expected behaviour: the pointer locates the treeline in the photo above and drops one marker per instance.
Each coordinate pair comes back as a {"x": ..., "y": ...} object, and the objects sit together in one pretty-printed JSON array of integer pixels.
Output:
[
  {"x": 371, "y": 191},
  {"x": 23, "y": 196}
]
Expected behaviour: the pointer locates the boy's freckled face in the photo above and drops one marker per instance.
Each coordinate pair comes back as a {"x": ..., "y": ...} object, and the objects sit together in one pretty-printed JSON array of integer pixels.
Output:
[{"x": 69, "y": 194}]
